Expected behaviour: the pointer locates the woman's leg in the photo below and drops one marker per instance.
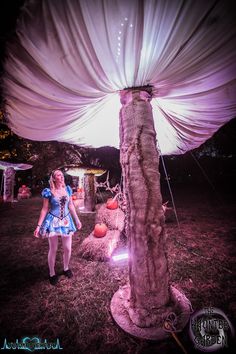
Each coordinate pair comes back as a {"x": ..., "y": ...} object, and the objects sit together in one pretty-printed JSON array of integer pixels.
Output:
[
  {"x": 53, "y": 243},
  {"x": 67, "y": 243}
]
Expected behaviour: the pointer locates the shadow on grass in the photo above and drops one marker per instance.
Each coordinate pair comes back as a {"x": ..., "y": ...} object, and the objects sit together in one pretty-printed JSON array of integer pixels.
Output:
[{"x": 14, "y": 280}]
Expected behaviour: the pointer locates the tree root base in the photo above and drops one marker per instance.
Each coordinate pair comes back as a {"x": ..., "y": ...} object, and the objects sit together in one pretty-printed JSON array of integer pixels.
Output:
[{"x": 179, "y": 305}]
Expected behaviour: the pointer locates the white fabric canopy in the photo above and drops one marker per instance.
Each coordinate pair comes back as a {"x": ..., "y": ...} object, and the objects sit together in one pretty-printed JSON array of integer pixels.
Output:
[
  {"x": 17, "y": 166},
  {"x": 71, "y": 57}
]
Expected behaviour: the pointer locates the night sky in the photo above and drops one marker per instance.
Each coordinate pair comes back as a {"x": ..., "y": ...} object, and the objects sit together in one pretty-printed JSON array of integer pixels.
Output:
[{"x": 8, "y": 15}]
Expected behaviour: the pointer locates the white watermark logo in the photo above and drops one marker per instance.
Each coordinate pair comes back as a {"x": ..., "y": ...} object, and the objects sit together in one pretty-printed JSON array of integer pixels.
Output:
[
  {"x": 31, "y": 344},
  {"x": 210, "y": 329}
]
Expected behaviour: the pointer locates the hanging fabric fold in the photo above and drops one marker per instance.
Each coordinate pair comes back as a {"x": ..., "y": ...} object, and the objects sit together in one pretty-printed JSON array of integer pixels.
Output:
[{"x": 70, "y": 59}]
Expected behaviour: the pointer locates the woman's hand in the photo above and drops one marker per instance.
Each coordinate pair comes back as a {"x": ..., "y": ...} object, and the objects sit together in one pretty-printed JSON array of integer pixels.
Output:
[
  {"x": 36, "y": 232},
  {"x": 78, "y": 224}
]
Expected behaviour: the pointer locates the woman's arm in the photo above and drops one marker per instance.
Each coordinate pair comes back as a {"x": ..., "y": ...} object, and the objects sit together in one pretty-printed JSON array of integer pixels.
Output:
[
  {"x": 42, "y": 215},
  {"x": 74, "y": 214}
]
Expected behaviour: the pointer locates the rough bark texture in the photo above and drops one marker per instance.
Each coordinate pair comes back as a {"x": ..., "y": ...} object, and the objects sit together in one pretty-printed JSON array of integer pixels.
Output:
[
  {"x": 89, "y": 192},
  {"x": 9, "y": 180},
  {"x": 148, "y": 269},
  {"x": 75, "y": 182}
]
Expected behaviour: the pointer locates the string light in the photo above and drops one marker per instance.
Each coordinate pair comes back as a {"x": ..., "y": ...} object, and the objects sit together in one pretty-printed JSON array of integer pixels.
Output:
[{"x": 119, "y": 38}]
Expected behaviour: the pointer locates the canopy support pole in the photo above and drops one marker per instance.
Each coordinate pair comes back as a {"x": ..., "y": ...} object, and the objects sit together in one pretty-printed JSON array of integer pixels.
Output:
[
  {"x": 89, "y": 192},
  {"x": 8, "y": 184}
]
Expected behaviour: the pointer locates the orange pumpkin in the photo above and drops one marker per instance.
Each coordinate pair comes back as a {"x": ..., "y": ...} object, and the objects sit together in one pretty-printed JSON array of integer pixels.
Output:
[
  {"x": 100, "y": 230},
  {"x": 112, "y": 204}
]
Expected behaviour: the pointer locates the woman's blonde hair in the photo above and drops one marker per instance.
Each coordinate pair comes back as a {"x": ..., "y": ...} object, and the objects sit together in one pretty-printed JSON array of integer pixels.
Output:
[{"x": 52, "y": 180}]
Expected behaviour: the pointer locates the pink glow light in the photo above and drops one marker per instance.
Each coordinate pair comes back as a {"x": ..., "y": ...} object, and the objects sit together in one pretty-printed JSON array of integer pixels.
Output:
[{"x": 121, "y": 256}]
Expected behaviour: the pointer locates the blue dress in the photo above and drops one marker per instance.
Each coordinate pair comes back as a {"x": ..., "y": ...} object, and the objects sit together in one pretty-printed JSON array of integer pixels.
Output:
[{"x": 58, "y": 221}]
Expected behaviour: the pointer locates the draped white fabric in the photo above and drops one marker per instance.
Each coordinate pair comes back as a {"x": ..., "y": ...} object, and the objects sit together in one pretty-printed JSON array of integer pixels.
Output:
[
  {"x": 71, "y": 57},
  {"x": 17, "y": 166}
]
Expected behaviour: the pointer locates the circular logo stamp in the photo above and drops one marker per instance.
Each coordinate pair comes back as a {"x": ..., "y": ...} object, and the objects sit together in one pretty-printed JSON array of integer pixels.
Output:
[{"x": 210, "y": 329}]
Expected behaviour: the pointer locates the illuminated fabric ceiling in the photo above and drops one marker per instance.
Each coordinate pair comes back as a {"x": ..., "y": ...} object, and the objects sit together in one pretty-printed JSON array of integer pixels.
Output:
[
  {"x": 17, "y": 166},
  {"x": 70, "y": 59}
]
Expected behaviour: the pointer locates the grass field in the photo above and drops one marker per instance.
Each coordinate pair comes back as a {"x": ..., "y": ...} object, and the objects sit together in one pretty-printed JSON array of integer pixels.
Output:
[{"x": 201, "y": 255}]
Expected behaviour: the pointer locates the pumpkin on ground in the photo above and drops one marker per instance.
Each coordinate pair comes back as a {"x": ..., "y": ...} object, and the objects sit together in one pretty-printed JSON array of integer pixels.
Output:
[{"x": 24, "y": 192}]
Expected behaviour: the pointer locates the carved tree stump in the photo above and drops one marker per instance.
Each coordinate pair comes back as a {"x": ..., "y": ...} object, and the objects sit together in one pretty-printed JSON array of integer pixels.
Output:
[
  {"x": 9, "y": 181},
  {"x": 89, "y": 192}
]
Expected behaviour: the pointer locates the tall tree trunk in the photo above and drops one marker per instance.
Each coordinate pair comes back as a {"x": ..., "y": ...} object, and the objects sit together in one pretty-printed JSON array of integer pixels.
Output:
[
  {"x": 75, "y": 182},
  {"x": 89, "y": 192},
  {"x": 148, "y": 269},
  {"x": 147, "y": 304},
  {"x": 9, "y": 181}
]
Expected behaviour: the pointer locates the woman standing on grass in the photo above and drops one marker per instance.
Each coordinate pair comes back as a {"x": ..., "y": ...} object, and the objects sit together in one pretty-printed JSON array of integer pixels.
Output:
[{"x": 55, "y": 220}]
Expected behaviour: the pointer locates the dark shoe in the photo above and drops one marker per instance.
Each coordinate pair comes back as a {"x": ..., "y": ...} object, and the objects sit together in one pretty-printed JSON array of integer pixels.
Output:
[
  {"x": 68, "y": 273},
  {"x": 53, "y": 280}
]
